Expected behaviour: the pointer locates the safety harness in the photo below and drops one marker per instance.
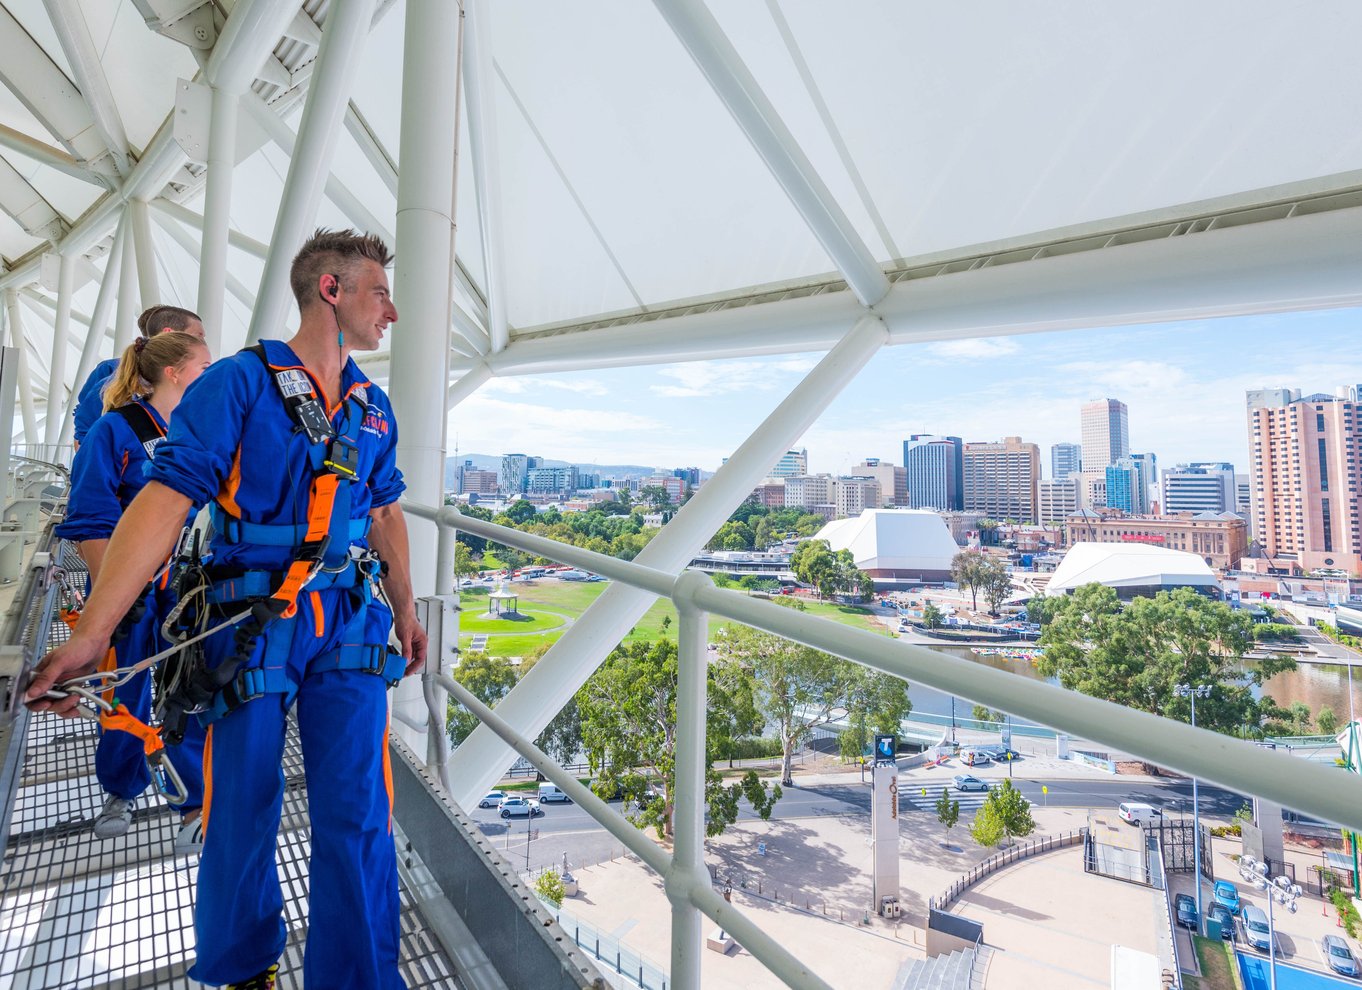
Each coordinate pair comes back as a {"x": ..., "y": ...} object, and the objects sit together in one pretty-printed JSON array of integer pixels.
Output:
[
  {"x": 148, "y": 432},
  {"x": 324, "y": 556}
]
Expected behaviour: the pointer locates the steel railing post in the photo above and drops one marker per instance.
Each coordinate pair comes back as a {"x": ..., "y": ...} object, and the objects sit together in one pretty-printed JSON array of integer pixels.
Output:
[{"x": 688, "y": 824}]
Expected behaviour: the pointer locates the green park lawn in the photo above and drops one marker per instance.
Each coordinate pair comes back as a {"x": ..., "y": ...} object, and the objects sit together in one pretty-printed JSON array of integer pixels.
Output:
[{"x": 540, "y": 599}]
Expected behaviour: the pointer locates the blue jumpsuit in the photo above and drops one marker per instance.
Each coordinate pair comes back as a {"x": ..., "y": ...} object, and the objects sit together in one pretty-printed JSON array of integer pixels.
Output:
[
  {"x": 108, "y": 471},
  {"x": 90, "y": 401},
  {"x": 233, "y": 441}
]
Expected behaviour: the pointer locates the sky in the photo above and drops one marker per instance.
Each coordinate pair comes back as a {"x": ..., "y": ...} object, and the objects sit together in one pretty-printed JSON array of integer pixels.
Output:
[{"x": 1184, "y": 384}]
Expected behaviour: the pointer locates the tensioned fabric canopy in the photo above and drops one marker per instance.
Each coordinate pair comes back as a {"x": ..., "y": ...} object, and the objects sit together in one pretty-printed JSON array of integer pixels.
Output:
[{"x": 1008, "y": 166}]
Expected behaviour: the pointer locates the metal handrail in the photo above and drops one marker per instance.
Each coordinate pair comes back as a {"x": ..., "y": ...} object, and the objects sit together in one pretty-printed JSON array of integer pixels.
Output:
[
  {"x": 1040, "y": 844},
  {"x": 1233, "y": 763}
]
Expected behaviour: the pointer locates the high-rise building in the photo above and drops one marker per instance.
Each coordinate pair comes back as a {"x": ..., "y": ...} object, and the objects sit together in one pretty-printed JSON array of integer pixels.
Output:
[
  {"x": 1203, "y": 486},
  {"x": 1306, "y": 468},
  {"x": 1002, "y": 479},
  {"x": 1106, "y": 439},
  {"x": 552, "y": 481},
  {"x": 892, "y": 479},
  {"x": 1059, "y": 499},
  {"x": 1130, "y": 482},
  {"x": 690, "y": 474},
  {"x": 852, "y": 496},
  {"x": 515, "y": 471},
  {"x": 791, "y": 463},
  {"x": 473, "y": 481},
  {"x": 935, "y": 471},
  {"x": 1065, "y": 459},
  {"x": 807, "y": 491}
]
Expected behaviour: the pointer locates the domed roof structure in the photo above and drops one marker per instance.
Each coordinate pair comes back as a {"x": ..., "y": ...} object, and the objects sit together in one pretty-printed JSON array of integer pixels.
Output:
[
  {"x": 1132, "y": 569},
  {"x": 907, "y": 544}
]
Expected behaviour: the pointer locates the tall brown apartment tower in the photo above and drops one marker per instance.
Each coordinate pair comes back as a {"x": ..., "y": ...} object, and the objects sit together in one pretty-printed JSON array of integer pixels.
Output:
[{"x": 1305, "y": 459}]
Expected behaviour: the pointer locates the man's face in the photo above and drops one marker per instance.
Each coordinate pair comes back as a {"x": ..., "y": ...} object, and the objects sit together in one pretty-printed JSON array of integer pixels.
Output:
[{"x": 365, "y": 307}]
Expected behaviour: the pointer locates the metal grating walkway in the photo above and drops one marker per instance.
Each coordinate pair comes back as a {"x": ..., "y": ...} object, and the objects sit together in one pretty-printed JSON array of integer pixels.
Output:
[{"x": 83, "y": 912}]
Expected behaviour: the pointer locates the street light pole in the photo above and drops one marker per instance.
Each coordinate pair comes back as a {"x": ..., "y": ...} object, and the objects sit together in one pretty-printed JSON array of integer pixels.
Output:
[
  {"x": 1191, "y": 694},
  {"x": 1271, "y": 942}
]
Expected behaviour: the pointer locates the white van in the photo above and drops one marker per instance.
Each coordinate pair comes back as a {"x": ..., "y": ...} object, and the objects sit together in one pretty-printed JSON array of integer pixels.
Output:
[
  {"x": 550, "y": 792},
  {"x": 1138, "y": 814}
]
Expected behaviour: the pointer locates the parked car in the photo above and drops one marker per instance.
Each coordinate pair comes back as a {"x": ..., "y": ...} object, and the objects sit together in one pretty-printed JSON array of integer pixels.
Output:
[
  {"x": 975, "y": 757},
  {"x": 1001, "y": 754},
  {"x": 1137, "y": 813},
  {"x": 1185, "y": 907},
  {"x": 1227, "y": 894},
  {"x": 1224, "y": 917},
  {"x": 519, "y": 807},
  {"x": 1339, "y": 957},
  {"x": 492, "y": 799},
  {"x": 1256, "y": 931},
  {"x": 964, "y": 782},
  {"x": 550, "y": 792}
]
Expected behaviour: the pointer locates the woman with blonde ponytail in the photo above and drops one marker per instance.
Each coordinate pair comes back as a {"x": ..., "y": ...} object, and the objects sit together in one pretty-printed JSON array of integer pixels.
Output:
[{"x": 108, "y": 471}]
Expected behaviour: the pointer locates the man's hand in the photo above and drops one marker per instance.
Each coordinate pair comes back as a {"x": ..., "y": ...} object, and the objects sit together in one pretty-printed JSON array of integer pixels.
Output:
[
  {"x": 413, "y": 640},
  {"x": 72, "y": 659}
]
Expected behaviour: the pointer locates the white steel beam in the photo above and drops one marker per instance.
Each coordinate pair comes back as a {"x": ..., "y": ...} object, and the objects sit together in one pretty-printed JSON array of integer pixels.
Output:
[
  {"x": 19, "y": 342},
  {"x": 73, "y": 34},
  {"x": 250, "y": 35},
  {"x": 27, "y": 207},
  {"x": 188, "y": 217},
  {"x": 343, "y": 38},
  {"x": 479, "y": 78},
  {"x": 125, "y": 322},
  {"x": 721, "y": 64},
  {"x": 233, "y": 284},
  {"x": 61, "y": 330},
  {"x": 372, "y": 147},
  {"x": 541, "y": 694},
  {"x": 44, "y": 153},
  {"x": 42, "y": 87},
  {"x": 346, "y": 201},
  {"x": 99, "y": 319},
  {"x": 252, "y": 31},
  {"x": 217, "y": 209},
  {"x": 423, "y": 283},
  {"x": 145, "y": 248}
]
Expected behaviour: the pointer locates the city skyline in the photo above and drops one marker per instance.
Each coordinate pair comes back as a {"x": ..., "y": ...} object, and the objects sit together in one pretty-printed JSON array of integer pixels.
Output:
[{"x": 1184, "y": 385}]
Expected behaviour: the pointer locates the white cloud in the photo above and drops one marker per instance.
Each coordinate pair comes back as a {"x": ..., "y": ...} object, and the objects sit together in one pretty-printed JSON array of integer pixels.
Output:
[
  {"x": 980, "y": 348},
  {"x": 523, "y": 385},
  {"x": 708, "y": 379}
]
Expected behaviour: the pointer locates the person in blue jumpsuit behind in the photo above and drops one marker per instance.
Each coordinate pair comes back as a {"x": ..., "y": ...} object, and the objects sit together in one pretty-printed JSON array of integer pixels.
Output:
[
  {"x": 235, "y": 443},
  {"x": 106, "y": 474},
  {"x": 90, "y": 399}
]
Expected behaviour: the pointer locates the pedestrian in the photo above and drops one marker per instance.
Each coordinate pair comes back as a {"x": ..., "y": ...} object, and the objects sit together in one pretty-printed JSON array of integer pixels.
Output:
[
  {"x": 141, "y": 398},
  {"x": 154, "y": 320},
  {"x": 295, "y": 454}
]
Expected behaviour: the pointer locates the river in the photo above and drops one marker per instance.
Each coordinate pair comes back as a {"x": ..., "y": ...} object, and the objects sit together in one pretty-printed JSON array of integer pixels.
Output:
[{"x": 1313, "y": 683}]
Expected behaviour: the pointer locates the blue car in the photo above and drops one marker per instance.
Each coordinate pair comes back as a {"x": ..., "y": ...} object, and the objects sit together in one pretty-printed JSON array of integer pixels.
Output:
[{"x": 1227, "y": 894}]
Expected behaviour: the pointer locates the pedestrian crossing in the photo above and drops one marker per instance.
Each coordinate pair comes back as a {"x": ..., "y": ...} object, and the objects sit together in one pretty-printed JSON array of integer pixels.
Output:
[{"x": 923, "y": 797}]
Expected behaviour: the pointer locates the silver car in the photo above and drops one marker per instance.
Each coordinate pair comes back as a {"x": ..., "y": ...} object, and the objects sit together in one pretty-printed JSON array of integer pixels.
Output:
[{"x": 1339, "y": 957}]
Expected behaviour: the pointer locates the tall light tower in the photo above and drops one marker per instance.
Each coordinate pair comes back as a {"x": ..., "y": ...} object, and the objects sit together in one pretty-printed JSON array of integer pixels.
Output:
[{"x": 1192, "y": 693}]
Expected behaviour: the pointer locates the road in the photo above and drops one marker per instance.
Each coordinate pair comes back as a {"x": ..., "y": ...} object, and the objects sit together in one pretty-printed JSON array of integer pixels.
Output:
[{"x": 566, "y": 829}]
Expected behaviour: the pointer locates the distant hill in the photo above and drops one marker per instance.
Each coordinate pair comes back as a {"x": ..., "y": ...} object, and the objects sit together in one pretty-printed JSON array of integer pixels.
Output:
[{"x": 492, "y": 462}]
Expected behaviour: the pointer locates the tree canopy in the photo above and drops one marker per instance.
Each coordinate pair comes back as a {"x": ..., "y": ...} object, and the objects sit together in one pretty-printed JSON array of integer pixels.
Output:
[
  {"x": 628, "y": 713},
  {"x": 1004, "y": 815},
  {"x": 814, "y": 562},
  {"x": 798, "y": 688},
  {"x": 1138, "y": 654}
]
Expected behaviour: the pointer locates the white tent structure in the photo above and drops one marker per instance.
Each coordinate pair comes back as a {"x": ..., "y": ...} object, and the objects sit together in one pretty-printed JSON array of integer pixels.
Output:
[
  {"x": 616, "y": 183},
  {"x": 1131, "y": 568},
  {"x": 895, "y": 544}
]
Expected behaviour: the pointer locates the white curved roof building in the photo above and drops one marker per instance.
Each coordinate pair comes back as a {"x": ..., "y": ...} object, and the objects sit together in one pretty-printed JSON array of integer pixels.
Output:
[
  {"x": 895, "y": 544},
  {"x": 1132, "y": 569}
]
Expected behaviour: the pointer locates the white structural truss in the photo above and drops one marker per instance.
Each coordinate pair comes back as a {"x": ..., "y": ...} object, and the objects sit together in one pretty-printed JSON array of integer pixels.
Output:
[{"x": 613, "y": 184}]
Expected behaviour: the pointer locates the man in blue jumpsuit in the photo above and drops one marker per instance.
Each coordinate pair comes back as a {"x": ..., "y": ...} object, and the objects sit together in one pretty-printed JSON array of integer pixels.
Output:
[
  {"x": 235, "y": 443},
  {"x": 90, "y": 398}
]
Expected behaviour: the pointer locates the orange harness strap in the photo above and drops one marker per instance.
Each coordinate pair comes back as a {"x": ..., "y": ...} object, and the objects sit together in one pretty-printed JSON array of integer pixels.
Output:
[{"x": 122, "y": 719}]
